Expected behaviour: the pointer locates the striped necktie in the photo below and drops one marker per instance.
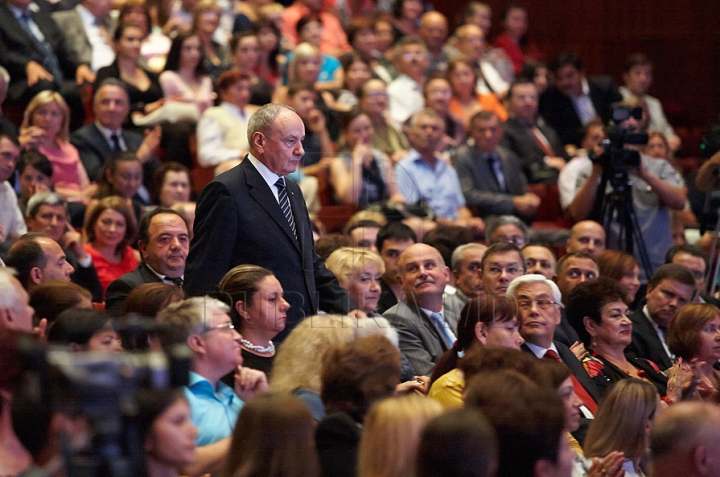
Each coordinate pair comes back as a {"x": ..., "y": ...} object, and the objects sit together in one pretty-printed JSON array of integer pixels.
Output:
[{"x": 285, "y": 203}]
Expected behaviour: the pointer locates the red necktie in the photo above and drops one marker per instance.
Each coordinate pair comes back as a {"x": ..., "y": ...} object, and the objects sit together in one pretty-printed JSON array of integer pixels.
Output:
[
  {"x": 586, "y": 399},
  {"x": 543, "y": 145}
]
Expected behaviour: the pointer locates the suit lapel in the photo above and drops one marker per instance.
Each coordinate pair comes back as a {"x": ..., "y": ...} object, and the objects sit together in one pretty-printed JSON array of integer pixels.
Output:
[
  {"x": 100, "y": 141},
  {"x": 260, "y": 191},
  {"x": 27, "y": 39}
]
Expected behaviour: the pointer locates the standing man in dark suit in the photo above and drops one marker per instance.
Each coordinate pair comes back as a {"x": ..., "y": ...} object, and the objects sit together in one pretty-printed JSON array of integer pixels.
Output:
[
  {"x": 574, "y": 100},
  {"x": 163, "y": 241},
  {"x": 252, "y": 214},
  {"x": 425, "y": 328},
  {"x": 671, "y": 287},
  {"x": 35, "y": 53},
  {"x": 539, "y": 301},
  {"x": 491, "y": 176},
  {"x": 105, "y": 137},
  {"x": 535, "y": 143}
]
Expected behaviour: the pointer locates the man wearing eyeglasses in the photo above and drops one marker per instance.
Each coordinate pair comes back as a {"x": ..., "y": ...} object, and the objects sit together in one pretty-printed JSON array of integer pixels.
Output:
[
  {"x": 539, "y": 302},
  {"x": 204, "y": 325},
  {"x": 501, "y": 264}
]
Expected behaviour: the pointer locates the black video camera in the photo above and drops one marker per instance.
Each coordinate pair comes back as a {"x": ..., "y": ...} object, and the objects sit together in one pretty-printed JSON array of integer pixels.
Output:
[{"x": 616, "y": 158}]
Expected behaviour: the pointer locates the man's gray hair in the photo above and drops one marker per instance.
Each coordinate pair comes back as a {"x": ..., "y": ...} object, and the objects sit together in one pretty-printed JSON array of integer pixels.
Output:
[
  {"x": 6, "y": 80},
  {"x": 111, "y": 82},
  {"x": 43, "y": 198},
  {"x": 501, "y": 220},
  {"x": 190, "y": 316},
  {"x": 263, "y": 119},
  {"x": 428, "y": 112},
  {"x": 457, "y": 255},
  {"x": 533, "y": 278},
  {"x": 8, "y": 298}
]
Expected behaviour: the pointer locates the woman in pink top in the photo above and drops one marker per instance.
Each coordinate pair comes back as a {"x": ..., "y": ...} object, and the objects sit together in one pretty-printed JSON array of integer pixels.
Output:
[
  {"x": 110, "y": 227},
  {"x": 45, "y": 127},
  {"x": 184, "y": 76}
]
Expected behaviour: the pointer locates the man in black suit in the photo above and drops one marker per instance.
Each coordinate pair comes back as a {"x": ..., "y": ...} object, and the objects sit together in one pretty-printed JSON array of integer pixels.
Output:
[
  {"x": 497, "y": 189},
  {"x": 671, "y": 287},
  {"x": 535, "y": 143},
  {"x": 574, "y": 100},
  {"x": 105, "y": 137},
  {"x": 163, "y": 241},
  {"x": 252, "y": 214},
  {"x": 35, "y": 53},
  {"x": 539, "y": 302}
]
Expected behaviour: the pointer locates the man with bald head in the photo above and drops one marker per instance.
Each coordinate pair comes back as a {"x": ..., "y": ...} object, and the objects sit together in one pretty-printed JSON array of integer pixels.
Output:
[
  {"x": 433, "y": 32},
  {"x": 471, "y": 44},
  {"x": 425, "y": 328},
  {"x": 587, "y": 236},
  {"x": 686, "y": 436}
]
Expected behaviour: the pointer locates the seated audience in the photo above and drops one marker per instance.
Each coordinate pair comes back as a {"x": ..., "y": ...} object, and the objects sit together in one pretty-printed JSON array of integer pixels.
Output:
[
  {"x": 15, "y": 313},
  {"x": 107, "y": 136},
  {"x": 109, "y": 230},
  {"x": 586, "y": 236},
  {"x": 425, "y": 329},
  {"x": 489, "y": 321},
  {"x": 45, "y": 127},
  {"x": 149, "y": 299},
  {"x": 392, "y": 240},
  {"x": 466, "y": 102},
  {"x": 354, "y": 376},
  {"x": 535, "y": 143},
  {"x": 540, "y": 259},
  {"x": 396, "y": 419},
  {"x": 594, "y": 135},
  {"x": 258, "y": 312},
  {"x": 359, "y": 272},
  {"x": 438, "y": 94},
  {"x": 670, "y": 288},
  {"x": 465, "y": 264},
  {"x": 205, "y": 24},
  {"x": 433, "y": 31},
  {"x": 333, "y": 40},
  {"x": 373, "y": 98},
  {"x": 306, "y": 65},
  {"x": 163, "y": 243},
  {"x": 406, "y": 17},
  {"x": 363, "y": 233},
  {"x": 361, "y": 175},
  {"x": 638, "y": 402},
  {"x": 171, "y": 184},
  {"x": 492, "y": 180},
  {"x": 422, "y": 175},
  {"x": 637, "y": 79},
  {"x": 35, "y": 174},
  {"x": 318, "y": 147},
  {"x": 470, "y": 43},
  {"x": 309, "y": 30},
  {"x": 38, "y": 259},
  {"x": 501, "y": 264},
  {"x": 405, "y": 91},
  {"x": 11, "y": 218},
  {"x": 508, "y": 229},
  {"x": 184, "y": 75},
  {"x": 537, "y": 72},
  {"x": 574, "y": 100},
  {"x": 47, "y": 213},
  {"x": 273, "y": 436},
  {"x": 221, "y": 131},
  {"x": 514, "y": 40},
  {"x": 269, "y": 44},
  {"x": 53, "y": 297},
  {"x": 356, "y": 72},
  {"x": 458, "y": 443},
  {"x": 245, "y": 49},
  {"x": 598, "y": 312},
  {"x": 623, "y": 267},
  {"x": 574, "y": 268},
  {"x": 693, "y": 258},
  {"x": 693, "y": 337},
  {"x": 6, "y": 126},
  {"x": 84, "y": 330},
  {"x": 155, "y": 45}
]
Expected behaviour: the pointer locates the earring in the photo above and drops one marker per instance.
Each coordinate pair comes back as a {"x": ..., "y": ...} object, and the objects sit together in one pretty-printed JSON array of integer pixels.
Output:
[{"x": 593, "y": 341}]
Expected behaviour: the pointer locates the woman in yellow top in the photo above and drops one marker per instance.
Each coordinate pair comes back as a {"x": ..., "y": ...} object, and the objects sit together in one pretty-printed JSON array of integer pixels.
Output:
[{"x": 484, "y": 321}]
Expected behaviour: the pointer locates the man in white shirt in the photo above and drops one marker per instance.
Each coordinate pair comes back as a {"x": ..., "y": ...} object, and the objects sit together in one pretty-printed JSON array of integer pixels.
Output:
[
  {"x": 405, "y": 92},
  {"x": 12, "y": 224}
]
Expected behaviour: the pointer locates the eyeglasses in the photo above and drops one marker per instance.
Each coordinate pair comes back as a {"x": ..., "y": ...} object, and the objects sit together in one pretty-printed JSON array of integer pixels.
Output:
[
  {"x": 499, "y": 270},
  {"x": 377, "y": 95},
  {"x": 515, "y": 239},
  {"x": 222, "y": 327},
  {"x": 542, "y": 303},
  {"x": 712, "y": 329}
]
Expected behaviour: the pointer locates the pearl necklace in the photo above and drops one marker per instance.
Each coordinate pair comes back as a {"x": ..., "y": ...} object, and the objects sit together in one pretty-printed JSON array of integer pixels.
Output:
[{"x": 259, "y": 349}]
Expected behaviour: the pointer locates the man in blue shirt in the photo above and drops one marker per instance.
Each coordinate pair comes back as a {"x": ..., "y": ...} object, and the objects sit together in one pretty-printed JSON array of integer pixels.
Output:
[
  {"x": 215, "y": 344},
  {"x": 423, "y": 175}
]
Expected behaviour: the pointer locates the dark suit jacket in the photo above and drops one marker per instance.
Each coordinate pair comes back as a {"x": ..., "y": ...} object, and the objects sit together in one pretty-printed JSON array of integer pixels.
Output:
[
  {"x": 520, "y": 141},
  {"x": 646, "y": 342},
  {"x": 17, "y": 48},
  {"x": 94, "y": 151},
  {"x": 559, "y": 112},
  {"x": 85, "y": 277},
  {"x": 239, "y": 221},
  {"x": 121, "y": 287},
  {"x": 337, "y": 438},
  {"x": 478, "y": 182},
  {"x": 77, "y": 40},
  {"x": 420, "y": 341},
  {"x": 576, "y": 368}
]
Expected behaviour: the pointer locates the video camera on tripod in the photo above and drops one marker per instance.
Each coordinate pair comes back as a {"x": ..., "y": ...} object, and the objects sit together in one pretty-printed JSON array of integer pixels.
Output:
[{"x": 616, "y": 158}]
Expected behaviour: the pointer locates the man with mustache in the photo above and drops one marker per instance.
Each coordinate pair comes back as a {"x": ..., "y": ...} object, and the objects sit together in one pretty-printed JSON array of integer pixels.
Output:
[
  {"x": 163, "y": 241},
  {"x": 671, "y": 287},
  {"x": 425, "y": 328}
]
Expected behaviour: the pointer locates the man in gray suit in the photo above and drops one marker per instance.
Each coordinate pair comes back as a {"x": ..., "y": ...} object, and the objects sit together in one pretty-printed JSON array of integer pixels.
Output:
[
  {"x": 426, "y": 330},
  {"x": 491, "y": 176},
  {"x": 87, "y": 29}
]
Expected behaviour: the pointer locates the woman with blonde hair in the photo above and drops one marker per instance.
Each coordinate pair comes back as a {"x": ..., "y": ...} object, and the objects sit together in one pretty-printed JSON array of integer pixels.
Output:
[
  {"x": 399, "y": 420},
  {"x": 636, "y": 402},
  {"x": 359, "y": 272},
  {"x": 46, "y": 127}
]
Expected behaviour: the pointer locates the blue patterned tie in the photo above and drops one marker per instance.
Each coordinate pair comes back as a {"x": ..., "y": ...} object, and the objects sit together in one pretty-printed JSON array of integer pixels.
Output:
[
  {"x": 285, "y": 203},
  {"x": 445, "y": 332}
]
